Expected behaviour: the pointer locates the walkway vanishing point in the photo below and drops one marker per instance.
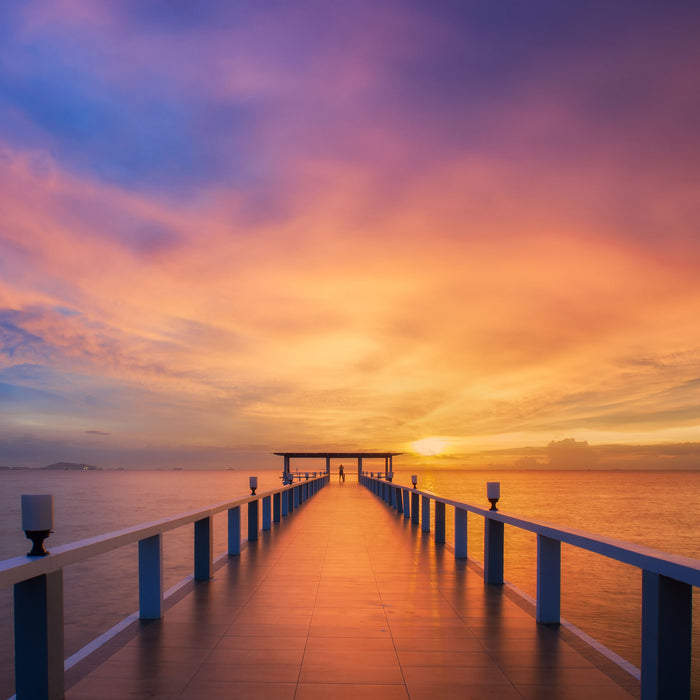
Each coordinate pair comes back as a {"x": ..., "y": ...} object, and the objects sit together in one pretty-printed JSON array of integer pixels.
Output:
[{"x": 346, "y": 599}]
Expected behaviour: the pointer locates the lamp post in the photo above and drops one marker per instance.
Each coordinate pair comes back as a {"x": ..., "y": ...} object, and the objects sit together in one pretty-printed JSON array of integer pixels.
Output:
[
  {"x": 37, "y": 521},
  {"x": 253, "y": 481},
  {"x": 414, "y": 480},
  {"x": 493, "y": 493}
]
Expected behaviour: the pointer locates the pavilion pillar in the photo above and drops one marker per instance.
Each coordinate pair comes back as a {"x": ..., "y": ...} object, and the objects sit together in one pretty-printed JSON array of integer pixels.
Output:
[
  {"x": 328, "y": 465},
  {"x": 359, "y": 465}
]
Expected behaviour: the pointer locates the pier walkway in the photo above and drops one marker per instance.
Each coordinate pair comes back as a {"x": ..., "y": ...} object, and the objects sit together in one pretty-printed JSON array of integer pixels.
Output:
[{"x": 345, "y": 599}]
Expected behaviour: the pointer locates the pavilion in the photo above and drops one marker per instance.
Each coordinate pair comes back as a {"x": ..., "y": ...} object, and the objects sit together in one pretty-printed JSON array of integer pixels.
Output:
[{"x": 328, "y": 456}]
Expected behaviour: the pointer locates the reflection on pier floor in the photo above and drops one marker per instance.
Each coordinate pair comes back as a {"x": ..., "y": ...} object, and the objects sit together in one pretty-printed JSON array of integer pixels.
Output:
[{"x": 347, "y": 599}]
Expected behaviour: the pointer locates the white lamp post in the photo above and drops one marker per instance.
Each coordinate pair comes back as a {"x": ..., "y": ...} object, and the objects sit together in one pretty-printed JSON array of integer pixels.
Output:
[
  {"x": 493, "y": 493},
  {"x": 37, "y": 521}
]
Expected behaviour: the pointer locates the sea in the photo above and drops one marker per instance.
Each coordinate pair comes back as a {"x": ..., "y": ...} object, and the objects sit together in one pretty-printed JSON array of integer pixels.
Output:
[{"x": 658, "y": 509}]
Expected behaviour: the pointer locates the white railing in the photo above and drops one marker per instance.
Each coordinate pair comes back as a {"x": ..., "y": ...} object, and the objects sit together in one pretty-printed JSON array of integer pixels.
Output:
[
  {"x": 38, "y": 581},
  {"x": 667, "y": 579}
]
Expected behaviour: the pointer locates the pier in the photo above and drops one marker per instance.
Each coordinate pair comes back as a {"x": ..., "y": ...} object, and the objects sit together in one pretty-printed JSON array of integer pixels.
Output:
[{"x": 340, "y": 590}]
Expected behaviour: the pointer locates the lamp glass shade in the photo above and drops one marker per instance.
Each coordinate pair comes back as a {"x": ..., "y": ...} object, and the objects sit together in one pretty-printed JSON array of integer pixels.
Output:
[
  {"x": 414, "y": 479},
  {"x": 493, "y": 489},
  {"x": 253, "y": 482},
  {"x": 37, "y": 512}
]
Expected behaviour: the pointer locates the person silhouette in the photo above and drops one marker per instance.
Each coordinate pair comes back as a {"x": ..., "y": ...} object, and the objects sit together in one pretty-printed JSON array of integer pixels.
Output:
[{"x": 341, "y": 473}]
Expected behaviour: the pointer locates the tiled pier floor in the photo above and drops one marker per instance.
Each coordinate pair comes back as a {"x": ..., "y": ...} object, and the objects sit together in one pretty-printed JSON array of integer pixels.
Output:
[{"x": 346, "y": 599}]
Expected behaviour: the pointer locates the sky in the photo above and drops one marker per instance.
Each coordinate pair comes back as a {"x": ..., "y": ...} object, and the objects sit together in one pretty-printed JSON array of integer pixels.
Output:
[{"x": 232, "y": 228}]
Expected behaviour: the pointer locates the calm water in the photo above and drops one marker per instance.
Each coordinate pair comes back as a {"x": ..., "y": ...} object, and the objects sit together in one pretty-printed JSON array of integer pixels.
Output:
[{"x": 657, "y": 509}]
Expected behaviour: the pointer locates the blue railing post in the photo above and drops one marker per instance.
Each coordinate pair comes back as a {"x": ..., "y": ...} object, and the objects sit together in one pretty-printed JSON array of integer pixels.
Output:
[
  {"x": 234, "y": 531},
  {"x": 39, "y": 637},
  {"x": 439, "y": 522},
  {"x": 267, "y": 513},
  {"x": 460, "y": 533},
  {"x": 425, "y": 513},
  {"x": 151, "y": 578},
  {"x": 398, "y": 493},
  {"x": 276, "y": 507},
  {"x": 493, "y": 551},
  {"x": 203, "y": 549},
  {"x": 253, "y": 520},
  {"x": 548, "y": 580},
  {"x": 667, "y": 611},
  {"x": 415, "y": 513},
  {"x": 284, "y": 500},
  {"x": 406, "y": 504}
]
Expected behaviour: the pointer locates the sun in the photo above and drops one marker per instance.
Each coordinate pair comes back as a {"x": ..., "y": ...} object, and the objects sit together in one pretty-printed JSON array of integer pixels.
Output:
[{"x": 430, "y": 446}]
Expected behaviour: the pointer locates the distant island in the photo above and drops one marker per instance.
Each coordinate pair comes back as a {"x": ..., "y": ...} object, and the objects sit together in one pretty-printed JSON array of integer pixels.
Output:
[{"x": 71, "y": 466}]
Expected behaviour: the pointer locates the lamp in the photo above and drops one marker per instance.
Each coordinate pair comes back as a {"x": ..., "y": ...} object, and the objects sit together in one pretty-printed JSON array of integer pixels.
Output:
[
  {"x": 253, "y": 481},
  {"x": 37, "y": 521},
  {"x": 493, "y": 493},
  {"x": 390, "y": 476},
  {"x": 414, "y": 480}
]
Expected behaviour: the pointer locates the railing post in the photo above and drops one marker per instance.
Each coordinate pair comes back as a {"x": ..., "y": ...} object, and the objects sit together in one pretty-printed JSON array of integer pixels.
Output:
[
  {"x": 151, "y": 578},
  {"x": 203, "y": 549},
  {"x": 398, "y": 498},
  {"x": 493, "y": 551},
  {"x": 291, "y": 499},
  {"x": 276, "y": 507},
  {"x": 667, "y": 611},
  {"x": 284, "y": 502},
  {"x": 406, "y": 504},
  {"x": 39, "y": 637},
  {"x": 460, "y": 533},
  {"x": 415, "y": 513},
  {"x": 548, "y": 580},
  {"x": 234, "y": 531},
  {"x": 439, "y": 522},
  {"x": 253, "y": 520},
  {"x": 267, "y": 513},
  {"x": 425, "y": 513}
]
